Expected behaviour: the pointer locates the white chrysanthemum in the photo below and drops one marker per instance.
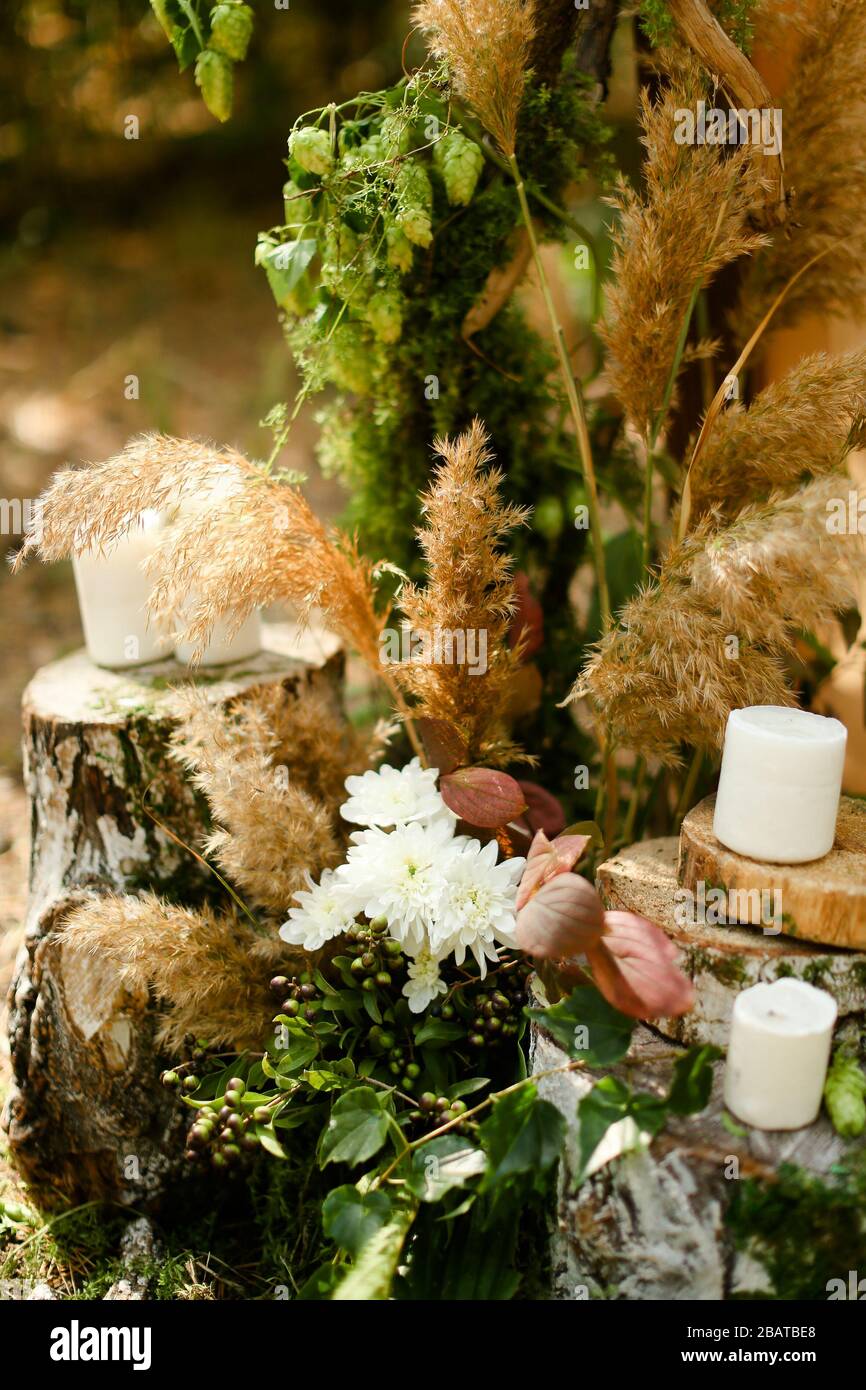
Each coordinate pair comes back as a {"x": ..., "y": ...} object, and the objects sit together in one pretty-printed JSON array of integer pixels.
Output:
[
  {"x": 326, "y": 910},
  {"x": 395, "y": 796},
  {"x": 424, "y": 983},
  {"x": 476, "y": 908},
  {"x": 400, "y": 875}
]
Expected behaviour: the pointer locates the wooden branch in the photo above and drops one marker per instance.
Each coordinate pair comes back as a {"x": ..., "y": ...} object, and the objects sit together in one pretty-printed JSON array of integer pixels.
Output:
[{"x": 741, "y": 82}]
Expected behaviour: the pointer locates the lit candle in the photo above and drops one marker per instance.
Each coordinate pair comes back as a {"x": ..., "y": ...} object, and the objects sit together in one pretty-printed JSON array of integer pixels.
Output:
[
  {"x": 778, "y": 1054},
  {"x": 780, "y": 784},
  {"x": 112, "y": 592}
]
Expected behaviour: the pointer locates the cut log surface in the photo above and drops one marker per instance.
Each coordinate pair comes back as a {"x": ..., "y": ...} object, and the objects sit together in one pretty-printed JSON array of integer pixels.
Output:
[
  {"x": 824, "y": 900},
  {"x": 721, "y": 960},
  {"x": 86, "y": 1119},
  {"x": 650, "y": 1222}
]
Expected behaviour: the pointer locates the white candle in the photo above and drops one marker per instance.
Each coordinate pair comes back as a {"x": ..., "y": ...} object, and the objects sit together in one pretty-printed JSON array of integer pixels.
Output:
[
  {"x": 221, "y": 649},
  {"x": 780, "y": 784},
  {"x": 112, "y": 592},
  {"x": 778, "y": 1054},
  {"x": 224, "y": 484}
]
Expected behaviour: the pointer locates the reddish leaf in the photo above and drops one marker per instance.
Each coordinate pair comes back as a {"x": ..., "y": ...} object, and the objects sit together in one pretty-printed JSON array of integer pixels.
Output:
[
  {"x": 482, "y": 796},
  {"x": 634, "y": 967},
  {"x": 443, "y": 745},
  {"x": 545, "y": 860},
  {"x": 564, "y": 918},
  {"x": 543, "y": 812},
  {"x": 527, "y": 622}
]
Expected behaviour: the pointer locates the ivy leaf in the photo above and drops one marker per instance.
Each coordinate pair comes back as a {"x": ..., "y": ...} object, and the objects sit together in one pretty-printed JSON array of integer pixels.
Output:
[
  {"x": 350, "y": 1218},
  {"x": 269, "y": 1140},
  {"x": 523, "y": 1135},
  {"x": 443, "y": 1164},
  {"x": 438, "y": 1032},
  {"x": 589, "y": 1028},
  {"x": 482, "y": 797},
  {"x": 327, "y": 1080},
  {"x": 285, "y": 264},
  {"x": 372, "y": 1276},
  {"x": 357, "y": 1128},
  {"x": 610, "y": 1102},
  {"x": 301, "y": 1046},
  {"x": 692, "y": 1081}
]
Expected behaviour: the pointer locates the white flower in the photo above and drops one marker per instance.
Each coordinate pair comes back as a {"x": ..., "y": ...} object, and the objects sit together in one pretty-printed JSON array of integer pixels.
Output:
[
  {"x": 424, "y": 983},
  {"x": 327, "y": 910},
  {"x": 400, "y": 875},
  {"x": 395, "y": 796},
  {"x": 476, "y": 908}
]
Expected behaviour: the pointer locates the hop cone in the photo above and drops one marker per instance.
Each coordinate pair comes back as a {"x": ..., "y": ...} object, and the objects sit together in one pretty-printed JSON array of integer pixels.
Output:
[
  {"x": 350, "y": 362},
  {"x": 460, "y": 162},
  {"x": 231, "y": 27},
  {"x": 399, "y": 253},
  {"x": 312, "y": 149},
  {"x": 844, "y": 1092},
  {"x": 213, "y": 74},
  {"x": 414, "y": 203},
  {"x": 384, "y": 314}
]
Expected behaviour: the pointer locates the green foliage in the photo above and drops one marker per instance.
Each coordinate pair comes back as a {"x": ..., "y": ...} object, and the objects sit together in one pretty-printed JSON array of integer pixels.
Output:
[
  {"x": 735, "y": 17},
  {"x": 212, "y": 36},
  {"x": 587, "y": 1027},
  {"x": 845, "y": 1095},
  {"x": 804, "y": 1231}
]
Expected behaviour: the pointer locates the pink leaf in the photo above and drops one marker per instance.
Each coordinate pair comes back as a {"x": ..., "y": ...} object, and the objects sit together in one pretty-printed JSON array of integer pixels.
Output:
[
  {"x": 527, "y": 623},
  {"x": 543, "y": 810},
  {"x": 482, "y": 796},
  {"x": 563, "y": 918},
  {"x": 545, "y": 860},
  {"x": 634, "y": 967}
]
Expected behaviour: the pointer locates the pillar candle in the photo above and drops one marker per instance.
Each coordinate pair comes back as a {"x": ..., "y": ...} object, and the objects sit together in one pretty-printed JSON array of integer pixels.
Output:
[
  {"x": 112, "y": 592},
  {"x": 780, "y": 784},
  {"x": 223, "y": 484},
  {"x": 221, "y": 649},
  {"x": 778, "y": 1054}
]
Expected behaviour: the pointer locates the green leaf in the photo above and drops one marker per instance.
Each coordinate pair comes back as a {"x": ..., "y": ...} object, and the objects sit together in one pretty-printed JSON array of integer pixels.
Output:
[
  {"x": 302, "y": 1045},
  {"x": 443, "y": 1164},
  {"x": 350, "y": 1218},
  {"x": 371, "y": 1277},
  {"x": 609, "y": 1102},
  {"x": 467, "y": 1087},
  {"x": 438, "y": 1032},
  {"x": 321, "y": 1284},
  {"x": 286, "y": 263},
  {"x": 357, "y": 1128},
  {"x": 522, "y": 1135},
  {"x": 590, "y": 1029},
  {"x": 328, "y": 1080},
  {"x": 692, "y": 1081},
  {"x": 269, "y": 1141}
]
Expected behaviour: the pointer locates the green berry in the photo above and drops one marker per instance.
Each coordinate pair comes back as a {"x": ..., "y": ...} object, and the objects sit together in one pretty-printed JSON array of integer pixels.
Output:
[
  {"x": 291, "y": 1007},
  {"x": 231, "y": 27},
  {"x": 382, "y": 979},
  {"x": 378, "y": 925},
  {"x": 261, "y": 1115},
  {"x": 475, "y": 1040},
  {"x": 170, "y": 1080},
  {"x": 213, "y": 74},
  {"x": 413, "y": 1070},
  {"x": 459, "y": 161},
  {"x": 311, "y": 147},
  {"x": 427, "y": 1101},
  {"x": 190, "y": 1083},
  {"x": 279, "y": 984},
  {"x": 407, "y": 1082}
]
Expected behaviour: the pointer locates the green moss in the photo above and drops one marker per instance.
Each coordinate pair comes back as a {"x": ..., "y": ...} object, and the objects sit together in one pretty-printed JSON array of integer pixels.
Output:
[
  {"x": 817, "y": 970},
  {"x": 804, "y": 1231},
  {"x": 728, "y": 970}
]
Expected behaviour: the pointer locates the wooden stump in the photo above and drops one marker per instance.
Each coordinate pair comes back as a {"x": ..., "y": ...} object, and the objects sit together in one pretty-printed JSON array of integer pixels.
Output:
[
  {"x": 824, "y": 900},
  {"x": 658, "y": 1222},
  {"x": 720, "y": 960},
  {"x": 85, "y": 1119}
]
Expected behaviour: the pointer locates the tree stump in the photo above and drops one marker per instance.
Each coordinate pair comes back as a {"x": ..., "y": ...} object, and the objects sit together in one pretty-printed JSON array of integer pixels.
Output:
[
  {"x": 824, "y": 900},
  {"x": 84, "y": 1118},
  {"x": 668, "y": 1220},
  {"x": 721, "y": 959}
]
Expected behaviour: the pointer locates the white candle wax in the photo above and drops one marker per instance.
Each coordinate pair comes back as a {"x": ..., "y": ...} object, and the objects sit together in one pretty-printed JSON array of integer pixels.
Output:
[
  {"x": 112, "y": 593},
  {"x": 780, "y": 783},
  {"x": 778, "y": 1054},
  {"x": 223, "y": 484},
  {"x": 221, "y": 649}
]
